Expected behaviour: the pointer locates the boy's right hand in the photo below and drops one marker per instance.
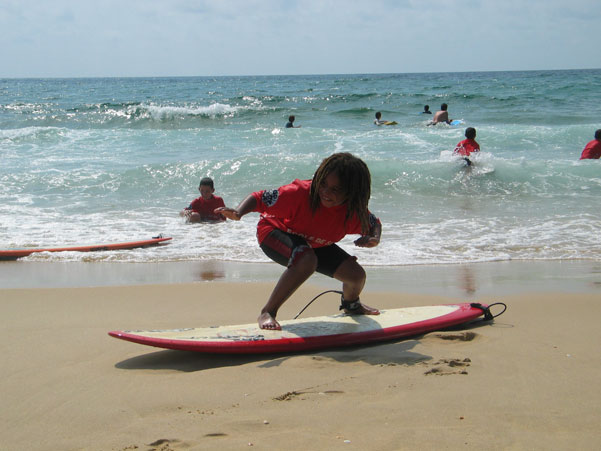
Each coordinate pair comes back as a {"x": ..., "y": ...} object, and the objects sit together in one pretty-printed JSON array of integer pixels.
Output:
[
  {"x": 235, "y": 214},
  {"x": 229, "y": 213}
]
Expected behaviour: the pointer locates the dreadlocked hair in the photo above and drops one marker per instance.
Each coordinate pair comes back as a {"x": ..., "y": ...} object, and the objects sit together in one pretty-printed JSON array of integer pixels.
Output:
[{"x": 355, "y": 180}]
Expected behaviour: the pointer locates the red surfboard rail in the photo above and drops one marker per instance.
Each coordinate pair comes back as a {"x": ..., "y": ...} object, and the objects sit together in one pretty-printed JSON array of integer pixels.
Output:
[
  {"x": 13, "y": 254},
  {"x": 257, "y": 341}
]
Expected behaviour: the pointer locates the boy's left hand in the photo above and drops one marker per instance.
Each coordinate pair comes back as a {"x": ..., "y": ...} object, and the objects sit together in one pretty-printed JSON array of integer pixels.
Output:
[{"x": 367, "y": 241}]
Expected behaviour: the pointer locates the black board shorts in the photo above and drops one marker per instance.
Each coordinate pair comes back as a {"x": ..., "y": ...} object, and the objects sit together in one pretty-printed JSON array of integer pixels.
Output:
[{"x": 284, "y": 248}]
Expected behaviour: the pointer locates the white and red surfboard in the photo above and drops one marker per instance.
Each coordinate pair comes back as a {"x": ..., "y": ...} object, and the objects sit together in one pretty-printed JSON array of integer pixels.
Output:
[
  {"x": 13, "y": 254},
  {"x": 309, "y": 333}
]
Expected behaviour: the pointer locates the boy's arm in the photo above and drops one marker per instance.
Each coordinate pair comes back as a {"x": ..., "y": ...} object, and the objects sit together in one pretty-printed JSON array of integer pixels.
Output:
[
  {"x": 220, "y": 204},
  {"x": 375, "y": 231},
  {"x": 246, "y": 206},
  {"x": 187, "y": 211}
]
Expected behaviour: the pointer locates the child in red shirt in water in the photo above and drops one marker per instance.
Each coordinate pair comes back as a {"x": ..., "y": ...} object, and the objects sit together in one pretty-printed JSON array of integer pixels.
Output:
[
  {"x": 202, "y": 209},
  {"x": 468, "y": 145},
  {"x": 592, "y": 151},
  {"x": 300, "y": 224}
]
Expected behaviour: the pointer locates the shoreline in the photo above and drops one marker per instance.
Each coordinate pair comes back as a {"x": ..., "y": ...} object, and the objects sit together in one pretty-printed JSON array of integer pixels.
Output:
[{"x": 465, "y": 280}]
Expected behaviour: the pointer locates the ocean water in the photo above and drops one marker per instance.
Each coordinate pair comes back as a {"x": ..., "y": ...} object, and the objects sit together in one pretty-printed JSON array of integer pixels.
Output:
[{"x": 102, "y": 160}]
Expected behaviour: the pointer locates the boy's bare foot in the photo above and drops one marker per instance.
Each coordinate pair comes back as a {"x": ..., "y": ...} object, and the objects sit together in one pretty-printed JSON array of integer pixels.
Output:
[
  {"x": 266, "y": 321},
  {"x": 363, "y": 310}
]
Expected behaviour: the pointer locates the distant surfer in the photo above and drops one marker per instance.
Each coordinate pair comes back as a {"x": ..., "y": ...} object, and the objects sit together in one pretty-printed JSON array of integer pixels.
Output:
[
  {"x": 426, "y": 110},
  {"x": 468, "y": 145},
  {"x": 441, "y": 116},
  {"x": 290, "y": 123},
  {"x": 300, "y": 224},
  {"x": 378, "y": 121},
  {"x": 202, "y": 209},
  {"x": 592, "y": 151}
]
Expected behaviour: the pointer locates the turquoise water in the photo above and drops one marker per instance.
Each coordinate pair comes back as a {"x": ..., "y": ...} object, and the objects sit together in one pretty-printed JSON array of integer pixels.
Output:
[{"x": 108, "y": 160}]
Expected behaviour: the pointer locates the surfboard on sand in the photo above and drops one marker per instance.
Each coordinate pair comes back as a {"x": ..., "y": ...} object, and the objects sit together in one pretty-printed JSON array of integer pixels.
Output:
[
  {"x": 13, "y": 254},
  {"x": 310, "y": 333}
]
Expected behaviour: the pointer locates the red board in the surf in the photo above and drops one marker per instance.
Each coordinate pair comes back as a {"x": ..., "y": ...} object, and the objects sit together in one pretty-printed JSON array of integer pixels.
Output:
[
  {"x": 13, "y": 254},
  {"x": 309, "y": 333}
]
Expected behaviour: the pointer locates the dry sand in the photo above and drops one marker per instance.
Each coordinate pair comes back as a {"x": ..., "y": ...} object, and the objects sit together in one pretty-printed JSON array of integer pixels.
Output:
[{"x": 528, "y": 381}]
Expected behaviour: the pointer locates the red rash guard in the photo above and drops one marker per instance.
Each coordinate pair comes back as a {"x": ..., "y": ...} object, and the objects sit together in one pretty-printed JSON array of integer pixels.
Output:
[
  {"x": 205, "y": 208},
  {"x": 466, "y": 147},
  {"x": 288, "y": 209},
  {"x": 592, "y": 151}
]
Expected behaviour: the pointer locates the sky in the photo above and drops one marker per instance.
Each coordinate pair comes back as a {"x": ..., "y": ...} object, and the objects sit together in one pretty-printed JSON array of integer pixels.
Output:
[{"x": 130, "y": 38}]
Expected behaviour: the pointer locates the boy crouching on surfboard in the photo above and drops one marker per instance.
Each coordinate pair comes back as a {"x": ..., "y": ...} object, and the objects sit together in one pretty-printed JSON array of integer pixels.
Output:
[{"x": 300, "y": 224}]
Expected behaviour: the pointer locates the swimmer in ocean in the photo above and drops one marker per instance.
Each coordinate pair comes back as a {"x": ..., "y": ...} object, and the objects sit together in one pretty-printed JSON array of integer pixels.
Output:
[
  {"x": 290, "y": 123},
  {"x": 468, "y": 145},
  {"x": 441, "y": 116},
  {"x": 592, "y": 151},
  {"x": 378, "y": 121}
]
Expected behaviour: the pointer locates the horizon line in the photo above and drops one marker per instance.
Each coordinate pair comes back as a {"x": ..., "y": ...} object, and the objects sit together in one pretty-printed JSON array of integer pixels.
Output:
[{"x": 288, "y": 75}]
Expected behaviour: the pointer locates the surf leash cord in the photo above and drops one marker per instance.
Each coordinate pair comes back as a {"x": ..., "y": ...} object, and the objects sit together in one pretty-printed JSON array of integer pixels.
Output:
[
  {"x": 488, "y": 316},
  {"x": 311, "y": 301}
]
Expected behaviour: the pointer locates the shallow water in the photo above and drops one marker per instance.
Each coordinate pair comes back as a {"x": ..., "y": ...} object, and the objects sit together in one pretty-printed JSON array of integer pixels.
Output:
[{"x": 108, "y": 160}]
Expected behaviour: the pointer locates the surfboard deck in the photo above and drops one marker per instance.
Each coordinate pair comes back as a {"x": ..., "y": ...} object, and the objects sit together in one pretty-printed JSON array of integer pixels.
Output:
[
  {"x": 309, "y": 333},
  {"x": 13, "y": 254}
]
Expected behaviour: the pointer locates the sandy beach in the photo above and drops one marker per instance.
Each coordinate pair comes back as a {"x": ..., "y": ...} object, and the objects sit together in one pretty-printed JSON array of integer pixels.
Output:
[{"x": 527, "y": 381}]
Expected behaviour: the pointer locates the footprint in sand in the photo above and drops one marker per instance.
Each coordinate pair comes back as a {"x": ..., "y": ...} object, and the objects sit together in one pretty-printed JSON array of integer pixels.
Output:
[
  {"x": 445, "y": 367},
  {"x": 456, "y": 336},
  {"x": 293, "y": 394},
  {"x": 164, "y": 444}
]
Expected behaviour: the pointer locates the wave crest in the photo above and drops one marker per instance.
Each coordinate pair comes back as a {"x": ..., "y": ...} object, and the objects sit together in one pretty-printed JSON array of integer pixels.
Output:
[{"x": 161, "y": 113}]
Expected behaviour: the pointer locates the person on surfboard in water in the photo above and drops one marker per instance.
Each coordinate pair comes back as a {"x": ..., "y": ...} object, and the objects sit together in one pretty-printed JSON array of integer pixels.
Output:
[
  {"x": 468, "y": 146},
  {"x": 592, "y": 151},
  {"x": 378, "y": 121},
  {"x": 441, "y": 115},
  {"x": 300, "y": 224}
]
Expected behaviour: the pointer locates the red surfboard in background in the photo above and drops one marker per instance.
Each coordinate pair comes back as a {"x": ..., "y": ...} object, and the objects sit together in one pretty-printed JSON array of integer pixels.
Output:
[{"x": 13, "y": 254}]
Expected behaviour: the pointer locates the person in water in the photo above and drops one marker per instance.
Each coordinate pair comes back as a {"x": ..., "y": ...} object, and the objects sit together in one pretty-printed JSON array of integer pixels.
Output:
[
  {"x": 592, "y": 151},
  {"x": 202, "y": 209},
  {"x": 468, "y": 145},
  {"x": 300, "y": 224},
  {"x": 378, "y": 121},
  {"x": 426, "y": 110},
  {"x": 441, "y": 116},
  {"x": 290, "y": 123}
]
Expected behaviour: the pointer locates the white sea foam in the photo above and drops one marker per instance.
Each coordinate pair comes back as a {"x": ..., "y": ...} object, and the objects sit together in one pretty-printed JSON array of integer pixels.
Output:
[
  {"x": 170, "y": 112},
  {"x": 33, "y": 132}
]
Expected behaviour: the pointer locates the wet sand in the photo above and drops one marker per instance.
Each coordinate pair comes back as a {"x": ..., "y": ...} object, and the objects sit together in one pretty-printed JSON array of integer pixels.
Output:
[{"x": 462, "y": 280}]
